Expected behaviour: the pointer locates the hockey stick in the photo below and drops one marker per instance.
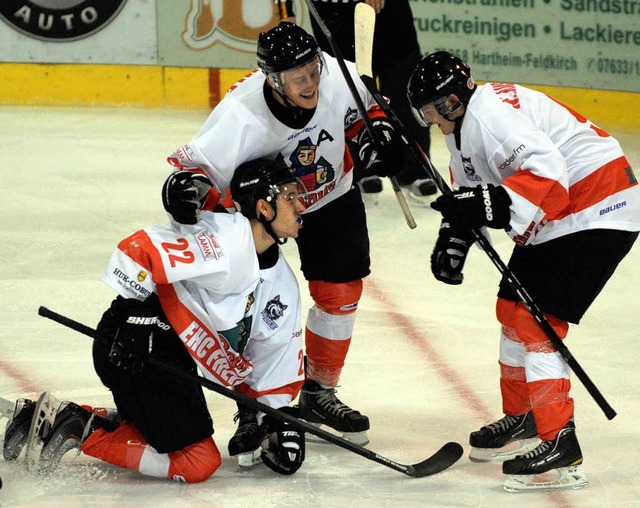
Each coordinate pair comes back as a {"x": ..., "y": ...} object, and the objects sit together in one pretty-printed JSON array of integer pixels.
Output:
[
  {"x": 363, "y": 25},
  {"x": 362, "y": 110},
  {"x": 439, "y": 461}
]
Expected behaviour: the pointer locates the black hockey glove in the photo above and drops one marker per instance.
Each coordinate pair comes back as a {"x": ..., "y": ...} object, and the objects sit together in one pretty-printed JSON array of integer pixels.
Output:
[
  {"x": 474, "y": 207},
  {"x": 388, "y": 156},
  {"x": 134, "y": 338},
  {"x": 450, "y": 253},
  {"x": 184, "y": 194},
  {"x": 283, "y": 448}
]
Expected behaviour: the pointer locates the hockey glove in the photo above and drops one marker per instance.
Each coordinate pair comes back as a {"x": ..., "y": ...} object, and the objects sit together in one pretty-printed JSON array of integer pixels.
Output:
[
  {"x": 184, "y": 194},
  {"x": 283, "y": 448},
  {"x": 387, "y": 157},
  {"x": 450, "y": 253},
  {"x": 474, "y": 207},
  {"x": 133, "y": 341}
]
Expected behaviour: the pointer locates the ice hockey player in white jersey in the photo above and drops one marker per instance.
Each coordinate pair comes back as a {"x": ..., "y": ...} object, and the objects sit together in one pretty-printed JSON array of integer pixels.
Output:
[
  {"x": 563, "y": 190},
  {"x": 296, "y": 109},
  {"x": 217, "y": 296}
]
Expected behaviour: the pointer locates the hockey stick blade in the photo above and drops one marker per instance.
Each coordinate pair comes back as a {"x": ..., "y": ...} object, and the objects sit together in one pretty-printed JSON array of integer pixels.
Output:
[
  {"x": 442, "y": 459},
  {"x": 406, "y": 211}
]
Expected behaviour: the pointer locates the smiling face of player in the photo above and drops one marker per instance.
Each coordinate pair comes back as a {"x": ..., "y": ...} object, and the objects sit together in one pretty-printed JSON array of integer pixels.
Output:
[{"x": 301, "y": 84}]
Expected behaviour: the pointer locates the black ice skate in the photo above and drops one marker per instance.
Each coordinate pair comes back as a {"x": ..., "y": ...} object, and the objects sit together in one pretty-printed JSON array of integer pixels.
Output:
[
  {"x": 72, "y": 425},
  {"x": 320, "y": 406},
  {"x": 248, "y": 436},
  {"x": 552, "y": 465},
  {"x": 420, "y": 189},
  {"x": 43, "y": 415},
  {"x": 505, "y": 439},
  {"x": 17, "y": 430}
]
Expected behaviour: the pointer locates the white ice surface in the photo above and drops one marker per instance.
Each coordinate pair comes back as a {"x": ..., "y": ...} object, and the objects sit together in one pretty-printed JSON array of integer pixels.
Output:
[{"x": 422, "y": 365}]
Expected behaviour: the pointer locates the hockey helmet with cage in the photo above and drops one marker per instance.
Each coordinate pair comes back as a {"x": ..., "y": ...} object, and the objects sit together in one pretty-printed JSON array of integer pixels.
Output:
[
  {"x": 436, "y": 77},
  {"x": 259, "y": 179},
  {"x": 285, "y": 47}
]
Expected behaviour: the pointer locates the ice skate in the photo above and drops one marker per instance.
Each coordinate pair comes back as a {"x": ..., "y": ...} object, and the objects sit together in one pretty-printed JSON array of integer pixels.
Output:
[
  {"x": 43, "y": 416},
  {"x": 247, "y": 438},
  {"x": 552, "y": 465},
  {"x": 72, "y": 425},
  {"x": 17, "y": 430},
  {"x": 505, "y": 439},
  {"x": 320, "y": 406},
  {"x": 419, "y": 190},
  {"x": 370, "y": 184}
]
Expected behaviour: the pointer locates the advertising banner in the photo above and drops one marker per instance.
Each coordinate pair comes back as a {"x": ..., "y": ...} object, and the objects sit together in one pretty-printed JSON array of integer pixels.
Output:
[
  {"x": 572, "y": 43},
  {"x": 78, "y": 31}
]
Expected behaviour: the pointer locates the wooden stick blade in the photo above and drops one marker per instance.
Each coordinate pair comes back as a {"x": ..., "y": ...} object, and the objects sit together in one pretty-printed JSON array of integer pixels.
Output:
[{"x": 364, "y": 25}]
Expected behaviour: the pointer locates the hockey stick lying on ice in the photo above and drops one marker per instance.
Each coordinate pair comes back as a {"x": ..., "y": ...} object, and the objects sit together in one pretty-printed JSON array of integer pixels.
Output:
[
  {"x": 364, "y": 25},
  {"x": 363, "y": 111},
  {"x": 439, "y": 461}
]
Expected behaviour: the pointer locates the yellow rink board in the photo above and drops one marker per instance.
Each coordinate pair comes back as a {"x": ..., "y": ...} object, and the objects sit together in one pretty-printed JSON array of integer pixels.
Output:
[{"x": 200, "y": 88}]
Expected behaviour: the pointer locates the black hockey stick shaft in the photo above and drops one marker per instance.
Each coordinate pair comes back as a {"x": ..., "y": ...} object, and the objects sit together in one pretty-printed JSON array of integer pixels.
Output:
[
  {"x": 504, "y": 270},
  {"x": 446, "y": 456},
  {"x": 361, "y": 109}
]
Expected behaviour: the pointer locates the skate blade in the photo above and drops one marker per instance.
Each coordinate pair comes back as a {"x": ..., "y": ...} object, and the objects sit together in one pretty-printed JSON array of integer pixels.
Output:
[
  {"x": 248, "y": 460},
  {"x": 7, "y": 408},
  {"x": 359, "y": 438},
  {"x": 43, "y": 417},
  {"x": 563, "y": 478},
  {"x": 507, "y": 452}
]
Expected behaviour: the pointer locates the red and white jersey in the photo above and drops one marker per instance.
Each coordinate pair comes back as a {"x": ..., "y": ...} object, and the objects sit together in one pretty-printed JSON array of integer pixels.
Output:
[
  {"x": 242, "y": 128},
  {"x": 239, "y": 323},
  {"x": 563, "y": 173}
]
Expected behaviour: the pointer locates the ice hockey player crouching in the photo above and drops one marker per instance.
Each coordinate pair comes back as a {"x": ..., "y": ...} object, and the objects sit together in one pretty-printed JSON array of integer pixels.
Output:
[
  {"x": 233, "y": 306},
  {"x": 522, "y": 161}
]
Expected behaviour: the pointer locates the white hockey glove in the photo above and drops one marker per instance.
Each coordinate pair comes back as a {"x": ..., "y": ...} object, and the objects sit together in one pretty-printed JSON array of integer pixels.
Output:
[
  {"x": 283, "y": 447},
  {"x": 184, "y": 194}
]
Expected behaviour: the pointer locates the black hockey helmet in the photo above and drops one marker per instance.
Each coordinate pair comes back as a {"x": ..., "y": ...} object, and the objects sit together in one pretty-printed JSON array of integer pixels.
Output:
[
  {"x": 258, "y": 179},
  {"x": 437, "y": 76},
  {"x": 285, "y": 47},
  {"x": 261, "y": 179}
]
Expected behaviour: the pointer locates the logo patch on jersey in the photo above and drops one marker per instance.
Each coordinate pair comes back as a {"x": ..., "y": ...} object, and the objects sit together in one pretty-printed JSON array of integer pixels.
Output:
[
  {"x": 507, "y": 162},
  {"x": 59, "y": 20},
  {"x": 469, "y": 170},
  {"x": 209, "y": 246},
  {"x": 273, "y": 311},
  {"x": 350, "y": 117},
  {"x": 185, "y": 153},
  {"x": 142, "y": 276}
]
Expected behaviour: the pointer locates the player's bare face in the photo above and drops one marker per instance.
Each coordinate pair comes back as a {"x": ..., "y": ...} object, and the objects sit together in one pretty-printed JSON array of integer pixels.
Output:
[
  {"x": 288, "y": 221},
  {"x": 301, "y": 84}
]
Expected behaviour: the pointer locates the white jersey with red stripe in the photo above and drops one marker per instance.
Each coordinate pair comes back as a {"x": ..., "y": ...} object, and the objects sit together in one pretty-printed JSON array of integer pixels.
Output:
[
  {"x": 242, "y": 128},
  {"x": 239, "y": 323},
  {"x": 563, "y": 173}
]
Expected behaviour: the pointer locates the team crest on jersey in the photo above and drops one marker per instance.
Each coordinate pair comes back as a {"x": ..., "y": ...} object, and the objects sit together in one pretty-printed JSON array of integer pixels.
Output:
[
  {"x": 311, "y": 172},
  {"x": 273, "y": 311},
  {"x": 59, "y": 21},
  {"x": 142, "y": 276},
  {"x": 238, "y": 336},
  {"x": 469, "y": 170}
]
